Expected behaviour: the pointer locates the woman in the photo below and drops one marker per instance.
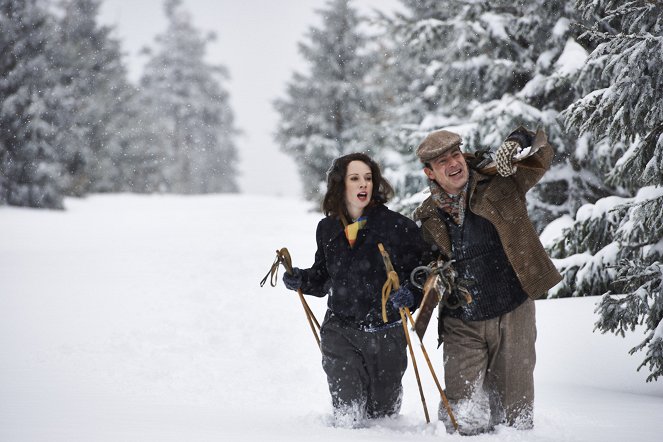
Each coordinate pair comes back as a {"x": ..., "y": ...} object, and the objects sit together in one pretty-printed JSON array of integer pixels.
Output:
[{"x": 364, "y": 357}]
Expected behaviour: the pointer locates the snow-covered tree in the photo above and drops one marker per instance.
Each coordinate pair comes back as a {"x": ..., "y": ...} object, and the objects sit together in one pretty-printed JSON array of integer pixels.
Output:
[
  {"x": 330, "y": 110},
  {"x": 93, "y": 83},
  {"x": 403, "y": 59},
  {"x": 484, "y": 67},
  {"x": 616, "y": 245},
  {"x": 140, "y": 141},
  {"x": 187, "y": 100},
  {"x": 29, "y": 167}
]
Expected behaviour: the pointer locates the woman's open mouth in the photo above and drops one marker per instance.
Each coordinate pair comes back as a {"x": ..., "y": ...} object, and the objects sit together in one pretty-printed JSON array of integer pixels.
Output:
[{"x": 362, "y": 196}]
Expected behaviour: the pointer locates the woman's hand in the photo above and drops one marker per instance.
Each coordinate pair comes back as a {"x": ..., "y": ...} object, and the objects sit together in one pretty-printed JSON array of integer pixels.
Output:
[
  {"x": 402, "y": 297},
  {"x": 293, "y": 281}
]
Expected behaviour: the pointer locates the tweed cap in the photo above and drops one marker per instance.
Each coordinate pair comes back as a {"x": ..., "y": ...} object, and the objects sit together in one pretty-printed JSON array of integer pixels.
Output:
[{"x": 436, "y": 143}]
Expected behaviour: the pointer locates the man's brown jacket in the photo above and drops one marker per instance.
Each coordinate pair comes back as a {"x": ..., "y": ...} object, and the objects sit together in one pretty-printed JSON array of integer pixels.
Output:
[{"x": 502, "y": 202}]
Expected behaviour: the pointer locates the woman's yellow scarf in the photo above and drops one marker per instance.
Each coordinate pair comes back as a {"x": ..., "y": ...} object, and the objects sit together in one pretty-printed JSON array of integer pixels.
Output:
[{"x": 352, "y": 230}]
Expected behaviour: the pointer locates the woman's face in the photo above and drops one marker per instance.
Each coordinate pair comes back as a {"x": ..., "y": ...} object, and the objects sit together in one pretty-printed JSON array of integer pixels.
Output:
[{"x": 358, "y": 187}]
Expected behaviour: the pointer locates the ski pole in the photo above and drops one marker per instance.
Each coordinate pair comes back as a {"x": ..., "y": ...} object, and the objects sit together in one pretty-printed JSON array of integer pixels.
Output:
[
  {"x": 283, "y": 257},
  {"x": 393, "y": 283},
  {"x": 414, "y": 361},
  {"x": 443, "y": 396}
]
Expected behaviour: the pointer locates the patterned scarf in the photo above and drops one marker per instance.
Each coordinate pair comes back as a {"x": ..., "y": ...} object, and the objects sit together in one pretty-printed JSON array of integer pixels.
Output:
[
  {"x": 454, "y": 205},
  {"x": 352, "y": 230}
]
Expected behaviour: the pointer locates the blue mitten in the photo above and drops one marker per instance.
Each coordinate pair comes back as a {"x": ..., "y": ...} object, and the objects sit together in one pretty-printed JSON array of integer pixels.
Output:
[
  {"x": 293, "y": 281},
  {"x": 402, "y": 297}
]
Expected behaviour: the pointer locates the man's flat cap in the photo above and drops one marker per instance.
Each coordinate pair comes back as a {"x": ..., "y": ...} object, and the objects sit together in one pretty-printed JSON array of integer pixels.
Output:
[{"x": 436, "y": 143}]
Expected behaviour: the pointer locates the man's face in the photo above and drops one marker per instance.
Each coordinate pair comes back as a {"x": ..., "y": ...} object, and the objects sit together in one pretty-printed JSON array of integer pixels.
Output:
[{"x": 449, "y": 170}]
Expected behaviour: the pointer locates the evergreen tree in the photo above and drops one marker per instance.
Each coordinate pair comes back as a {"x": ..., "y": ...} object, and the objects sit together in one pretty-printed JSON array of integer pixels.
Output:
[
  {"x": 482, "y": 68},
  {"x": 616, "y": 244},
  {"x": 93, "y": 82},
  {"x": 140, "y": 144},
  {"x": 29, "y": 168},
  {"x": 331, "y": 110},
  {"x": 411, "y": 45},
  {"x": 188, "y": 102}
]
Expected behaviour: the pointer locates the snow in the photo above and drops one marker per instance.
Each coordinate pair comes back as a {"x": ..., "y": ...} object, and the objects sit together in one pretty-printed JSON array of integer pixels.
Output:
[
  {"x": 600, "y": 208},
  {"x": 496, "y": 25},
  {"x": 561, "y": 27},
  {"x": 535, "y": 86},
  {"x": 555, "y": 229},
  {"x": 572, "y": 59},
  {"x": 658, "y": 333},
  {"x": 140, "y": 318},
  {"x": 648, "y": 193},
  {"x": 581, "y": 152}
]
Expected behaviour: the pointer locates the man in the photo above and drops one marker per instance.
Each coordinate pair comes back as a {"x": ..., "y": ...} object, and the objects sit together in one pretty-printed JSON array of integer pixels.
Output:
[{"x": 481, "y": 223}]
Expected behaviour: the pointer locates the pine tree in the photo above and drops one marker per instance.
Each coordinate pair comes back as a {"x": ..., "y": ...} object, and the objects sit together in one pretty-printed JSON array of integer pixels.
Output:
[
  {"x": 331, "y": 110},
  {"x": 410, "y": 44},
  {"x": 484, "y": 67},
  {"x": 93, "y": 82},
  {"x": 188, "y": 101},
  {"x": 616, "y": 244},
  {"x": 29, "y": 167},
  {"x": 139, "y": 139}
]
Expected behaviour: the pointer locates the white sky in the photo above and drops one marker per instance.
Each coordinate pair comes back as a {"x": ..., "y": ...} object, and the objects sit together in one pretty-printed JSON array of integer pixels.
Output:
[{"x": 257, "y": 42}]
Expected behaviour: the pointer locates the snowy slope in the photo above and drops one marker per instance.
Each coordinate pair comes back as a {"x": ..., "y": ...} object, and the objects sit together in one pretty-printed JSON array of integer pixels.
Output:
[{"x": 140, "y": 318}]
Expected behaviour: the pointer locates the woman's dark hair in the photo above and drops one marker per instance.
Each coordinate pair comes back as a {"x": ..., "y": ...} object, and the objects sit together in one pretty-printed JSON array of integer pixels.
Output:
[{"x": 334, "y": 201}]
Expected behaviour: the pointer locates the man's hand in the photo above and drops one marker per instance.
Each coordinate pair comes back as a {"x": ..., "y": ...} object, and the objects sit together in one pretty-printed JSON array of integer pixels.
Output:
[{"x": 504, "y": 158}]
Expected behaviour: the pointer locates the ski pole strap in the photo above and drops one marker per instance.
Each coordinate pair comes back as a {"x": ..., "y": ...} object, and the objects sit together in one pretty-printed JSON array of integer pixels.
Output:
[
  {"x": 440, "y": 287},
  {"x": 392, "y": 282},
  {"x": 282, "y": 257}
]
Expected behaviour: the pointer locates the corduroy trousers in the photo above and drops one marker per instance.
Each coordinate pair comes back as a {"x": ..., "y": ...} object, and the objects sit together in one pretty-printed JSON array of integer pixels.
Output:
[{"x": 491, "y": 362}]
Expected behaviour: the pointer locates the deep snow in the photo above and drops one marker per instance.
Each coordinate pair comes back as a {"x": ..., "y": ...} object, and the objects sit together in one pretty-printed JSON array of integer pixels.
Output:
[{"x": 140, "y": 318}]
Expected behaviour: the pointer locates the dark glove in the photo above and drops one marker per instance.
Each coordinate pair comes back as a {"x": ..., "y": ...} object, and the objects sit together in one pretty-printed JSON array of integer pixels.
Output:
[
  {"x": 402, "y": 297},
  {"x": 293, "y": 281},
  {"x": 522, "y": 136},
  {"x": 504, "y": 158}
]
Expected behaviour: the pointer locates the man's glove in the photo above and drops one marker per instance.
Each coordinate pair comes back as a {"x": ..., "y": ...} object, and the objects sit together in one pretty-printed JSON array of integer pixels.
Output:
[
  {"x": 402, "y": 297},
  {"x": 522, "y": 136},
  {"x": 504, "y": 158},
  {"x": 293, "y": 281}
]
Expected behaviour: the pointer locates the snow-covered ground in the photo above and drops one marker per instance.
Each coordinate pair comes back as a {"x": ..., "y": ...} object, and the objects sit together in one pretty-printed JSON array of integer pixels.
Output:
[{"x": 140, "y": 318}]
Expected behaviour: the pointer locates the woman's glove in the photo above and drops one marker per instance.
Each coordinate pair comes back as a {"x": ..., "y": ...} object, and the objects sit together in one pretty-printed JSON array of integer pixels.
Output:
[
  {"x": 293, "y": 281},
  {"x": 504, "y": 158},
  {"x": 402, "y": 297}
]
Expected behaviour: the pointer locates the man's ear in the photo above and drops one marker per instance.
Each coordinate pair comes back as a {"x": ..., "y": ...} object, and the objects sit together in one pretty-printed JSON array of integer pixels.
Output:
[{"x": 429, "y": 173}]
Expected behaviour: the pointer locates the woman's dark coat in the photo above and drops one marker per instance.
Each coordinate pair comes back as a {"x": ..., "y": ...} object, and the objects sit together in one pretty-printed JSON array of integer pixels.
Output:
[{"x": 353, "y": 277}]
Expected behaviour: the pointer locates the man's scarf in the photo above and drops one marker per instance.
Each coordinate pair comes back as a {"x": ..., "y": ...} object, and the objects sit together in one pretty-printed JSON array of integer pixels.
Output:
[
  {"x": 351, "y": 230},
  {"x": 454, "y": 205}
]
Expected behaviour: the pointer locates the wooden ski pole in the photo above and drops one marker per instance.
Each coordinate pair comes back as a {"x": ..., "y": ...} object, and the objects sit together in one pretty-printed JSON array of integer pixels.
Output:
[
  {"x": 443, "y": 396},
  {"x": 287, "y": 263},
  {"x": 310, "y": 317},
  {"x": 414, "y": 363},
  {"x": 283, "y": 257},
  {"x": 390, "y": 284}
]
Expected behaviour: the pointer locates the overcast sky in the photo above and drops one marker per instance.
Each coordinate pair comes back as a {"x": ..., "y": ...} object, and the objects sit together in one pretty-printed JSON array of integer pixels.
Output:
[{"x": 257, "y": 42}]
